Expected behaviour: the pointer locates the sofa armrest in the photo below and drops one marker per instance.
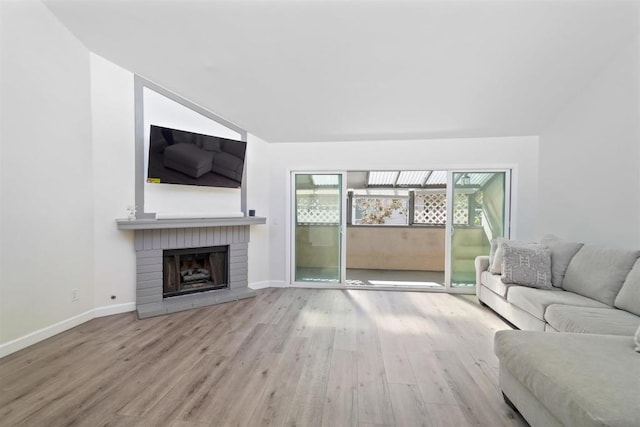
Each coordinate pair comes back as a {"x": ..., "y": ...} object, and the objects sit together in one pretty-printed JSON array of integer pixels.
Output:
[{"x": 482, "y": 264}]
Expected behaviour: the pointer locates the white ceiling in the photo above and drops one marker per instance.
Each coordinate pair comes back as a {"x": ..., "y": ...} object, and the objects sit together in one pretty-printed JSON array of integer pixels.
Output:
[{"x": 305, "y": 70}]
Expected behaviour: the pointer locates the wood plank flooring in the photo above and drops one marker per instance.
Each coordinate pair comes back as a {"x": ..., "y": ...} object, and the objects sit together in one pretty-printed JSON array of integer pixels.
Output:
[{"x": 289, "y": 357}]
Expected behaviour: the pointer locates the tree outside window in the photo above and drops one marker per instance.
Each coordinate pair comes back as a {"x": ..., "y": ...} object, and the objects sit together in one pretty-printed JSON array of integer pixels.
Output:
[{"x": 380, "y": 211}]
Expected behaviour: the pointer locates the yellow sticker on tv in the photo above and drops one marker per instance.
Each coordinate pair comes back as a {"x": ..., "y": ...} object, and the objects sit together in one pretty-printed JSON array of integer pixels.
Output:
[{"x": 153, "y": 180}]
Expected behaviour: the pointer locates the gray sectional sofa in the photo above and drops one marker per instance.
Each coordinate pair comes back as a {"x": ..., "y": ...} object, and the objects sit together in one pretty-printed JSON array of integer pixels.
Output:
[
  {"x": 588, "y": 374},
  {"x": 570, "y": 379}
]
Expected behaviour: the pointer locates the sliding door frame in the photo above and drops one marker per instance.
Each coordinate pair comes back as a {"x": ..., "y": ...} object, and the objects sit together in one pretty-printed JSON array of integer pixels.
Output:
[
  {"x": 511, "y": 176},
  {"x": 291, "y": 229},
  {"x": 449, "y": 229}
]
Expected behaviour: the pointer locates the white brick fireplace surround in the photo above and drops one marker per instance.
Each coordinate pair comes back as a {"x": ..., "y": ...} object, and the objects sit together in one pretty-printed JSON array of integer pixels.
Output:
[{"x": 153, "y": 236}]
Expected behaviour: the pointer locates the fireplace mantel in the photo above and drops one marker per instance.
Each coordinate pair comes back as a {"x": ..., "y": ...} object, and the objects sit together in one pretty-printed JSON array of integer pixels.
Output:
[{"x": 156, "y": 224}]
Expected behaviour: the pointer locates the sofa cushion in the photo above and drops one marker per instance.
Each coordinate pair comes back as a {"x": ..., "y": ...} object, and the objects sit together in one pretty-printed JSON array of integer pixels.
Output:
[
  {"x": 492, "y": 250},
  {"x": 234, "y": 148},
  {"x": 591, "y": 320},
  {"x": 188, "y": 159},
  {"x": 598, "y": 272},
  {"x": 494, "y": 283},
  {"x": 629, "y": 296},
  {"x": 535, "y": 301},
  {"x": 210, "y": 143},
  {"x": 562, "y": 251},
  {"x": 636, "y": 339},
  {"x": 182, "y": 137},
  {"x": 581, "y": 379},
  {"x": 495, "y": 261},
  {"x": 227, "y": 165},
  {"x": 527, "y": 264}
]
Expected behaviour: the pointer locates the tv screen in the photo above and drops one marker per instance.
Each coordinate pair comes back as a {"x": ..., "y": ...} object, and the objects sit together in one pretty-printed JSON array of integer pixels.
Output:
[{"x": 187, "y": 158}]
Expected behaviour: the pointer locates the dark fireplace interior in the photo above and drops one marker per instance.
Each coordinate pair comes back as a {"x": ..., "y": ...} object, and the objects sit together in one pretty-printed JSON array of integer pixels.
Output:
[{"x": 192, "y": 270}]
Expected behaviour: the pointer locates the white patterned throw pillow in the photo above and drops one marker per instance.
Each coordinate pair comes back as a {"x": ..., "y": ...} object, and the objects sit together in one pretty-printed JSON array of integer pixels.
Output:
[{"x": 526, "y": 264}]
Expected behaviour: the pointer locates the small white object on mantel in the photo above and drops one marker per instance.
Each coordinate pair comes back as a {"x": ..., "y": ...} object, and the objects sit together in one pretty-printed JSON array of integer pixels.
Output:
[
  {"x": 195, "y": 215},
  {"x": 131, "y": 212}
]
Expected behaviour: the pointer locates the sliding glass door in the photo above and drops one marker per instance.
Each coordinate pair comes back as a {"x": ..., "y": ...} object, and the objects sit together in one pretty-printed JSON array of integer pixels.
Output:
[
  {"x": 478, "y": 212},
  {"x": 465, "y": 208},
  {"x": 318, "y": 221}
]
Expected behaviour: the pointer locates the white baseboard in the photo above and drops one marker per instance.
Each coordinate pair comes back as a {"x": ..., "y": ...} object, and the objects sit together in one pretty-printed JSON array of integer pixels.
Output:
[
  {"x": 44, "y": 333},
  {"x": 259, "y": 285},
  {"x": 268, "y": 284},
  {"x": 278, "y": 284},
  {"x": 108, "y": 310}
]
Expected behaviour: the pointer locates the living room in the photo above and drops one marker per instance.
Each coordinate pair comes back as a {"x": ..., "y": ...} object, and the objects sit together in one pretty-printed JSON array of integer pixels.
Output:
[{"x": 68, "y": 160}]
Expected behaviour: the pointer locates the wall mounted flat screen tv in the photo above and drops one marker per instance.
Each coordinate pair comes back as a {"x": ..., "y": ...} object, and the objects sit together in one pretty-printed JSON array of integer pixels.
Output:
[{"x": 187, "y": 158}]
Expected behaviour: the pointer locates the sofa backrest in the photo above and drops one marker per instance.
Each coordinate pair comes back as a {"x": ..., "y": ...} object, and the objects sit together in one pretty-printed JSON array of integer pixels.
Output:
[
  {"x": 562, "y": 252},
  {"x": 628, "y": 298},
  {"x": 598, "y": 272},
  {"x": 184, "y": 138},
  {"x": 233, "y": 148}
]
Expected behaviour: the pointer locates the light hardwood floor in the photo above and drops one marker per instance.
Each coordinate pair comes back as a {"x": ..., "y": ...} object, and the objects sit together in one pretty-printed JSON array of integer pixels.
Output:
[{"x": 294, "y": 357}]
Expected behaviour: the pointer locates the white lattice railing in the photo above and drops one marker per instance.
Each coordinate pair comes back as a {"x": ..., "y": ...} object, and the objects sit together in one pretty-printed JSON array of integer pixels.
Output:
[
  {"x": 323, "y": 215},
  {"x": 461, "y": 209},
  {"x": 431, "y": 208},
  {"x": 318, "y": 208}
]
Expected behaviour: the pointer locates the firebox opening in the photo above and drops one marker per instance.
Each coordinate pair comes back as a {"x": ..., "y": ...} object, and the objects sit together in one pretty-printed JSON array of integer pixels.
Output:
[{"x": 192, "y": 270}]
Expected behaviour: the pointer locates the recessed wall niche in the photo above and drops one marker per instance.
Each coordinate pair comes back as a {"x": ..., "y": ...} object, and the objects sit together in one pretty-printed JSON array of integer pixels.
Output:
[{"x": 158, "y": 106}]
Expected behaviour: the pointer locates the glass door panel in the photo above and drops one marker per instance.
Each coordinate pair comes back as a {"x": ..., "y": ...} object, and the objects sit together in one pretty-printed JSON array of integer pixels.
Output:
[
  {"x": 318, "y": 226},
  {"x": 479, "y": 213}
]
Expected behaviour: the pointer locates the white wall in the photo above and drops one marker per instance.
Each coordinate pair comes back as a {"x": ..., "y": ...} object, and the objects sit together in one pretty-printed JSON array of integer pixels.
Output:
[
  {"x": 45, "y": 172},
  {"x": 520, "y": 153},
  {"x": 590, "y": 158},
  {"x": 258, "y": 188},
  {"x": 112, "y": 104},
  {"x": 1, "y": 180}
]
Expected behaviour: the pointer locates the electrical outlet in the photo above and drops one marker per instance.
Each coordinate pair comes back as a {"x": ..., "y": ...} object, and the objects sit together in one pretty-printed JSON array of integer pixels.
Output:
[{"x": 74, "y": 294}]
